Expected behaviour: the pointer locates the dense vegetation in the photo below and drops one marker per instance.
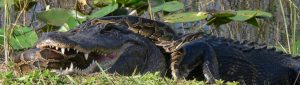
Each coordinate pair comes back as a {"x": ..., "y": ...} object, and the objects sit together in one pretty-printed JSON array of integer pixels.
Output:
[{"x": 23, "y": 20}]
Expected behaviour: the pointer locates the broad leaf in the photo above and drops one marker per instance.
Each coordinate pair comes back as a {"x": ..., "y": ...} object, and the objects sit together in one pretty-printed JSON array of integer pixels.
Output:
[
  {"x": 21, "y": 38},
  {"x": 169, "y": 6},
  {"x": 126, "y": 2},
  {"x": 253, "y": 22},
  {"x": 218, "y": 21},
  {"x": 185, "y": 17},
  {"x": 78, "y": 16},
  {"x": 104, "y": 11},
  {"x": 262, "y": 14},
  {"x": 72, "y": 23},
  {"x": 224, "y": 14},
  {"x": 243, "y": 15},
  {"x": 56, "y": 16}
]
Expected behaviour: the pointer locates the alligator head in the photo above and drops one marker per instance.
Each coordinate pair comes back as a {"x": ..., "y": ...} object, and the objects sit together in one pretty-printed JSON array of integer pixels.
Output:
[{"x": 89, "y": 47}]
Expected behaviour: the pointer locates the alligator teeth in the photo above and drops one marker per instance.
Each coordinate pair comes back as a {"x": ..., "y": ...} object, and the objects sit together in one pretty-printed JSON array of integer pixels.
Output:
[
  {"x": 71, "y": 66},
  {"x": 56, "y": 48},
  {"x": 77, "y": 69},
  {"x": 67, "y": 69},
  {"x": 86, "y": 70},
  {"x": 68, "y": 49},
  {"x": 86, "y": 56},
  {"x": 62, "y": 50},
  {"x": 77, "y": 51}
]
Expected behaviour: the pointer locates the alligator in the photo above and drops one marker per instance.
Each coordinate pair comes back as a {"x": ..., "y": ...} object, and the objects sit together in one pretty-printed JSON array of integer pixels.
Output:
[
  {"x": 91, "y": 48},
  {"x": 109, "y": 41}
]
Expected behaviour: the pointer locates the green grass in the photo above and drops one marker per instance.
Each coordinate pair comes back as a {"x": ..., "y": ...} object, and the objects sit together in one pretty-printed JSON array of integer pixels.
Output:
[{"x": 46, "y": 78}]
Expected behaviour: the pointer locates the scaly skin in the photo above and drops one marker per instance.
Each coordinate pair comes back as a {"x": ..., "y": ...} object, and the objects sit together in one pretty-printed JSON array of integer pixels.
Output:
[
  {"x": 194, "y": 55},
  {"x": 217, "y": 58},
  {"x": 81, "y": 49},
  {"x": 220, "y": 58}
]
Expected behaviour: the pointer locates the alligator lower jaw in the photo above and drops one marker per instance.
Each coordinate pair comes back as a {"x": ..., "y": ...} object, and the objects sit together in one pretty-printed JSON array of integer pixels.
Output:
[{"x": 94, "y": 59}]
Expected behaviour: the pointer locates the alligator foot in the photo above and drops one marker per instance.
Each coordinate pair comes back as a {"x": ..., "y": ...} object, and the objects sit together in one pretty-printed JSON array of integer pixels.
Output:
[{"x": 190, "y": 56}]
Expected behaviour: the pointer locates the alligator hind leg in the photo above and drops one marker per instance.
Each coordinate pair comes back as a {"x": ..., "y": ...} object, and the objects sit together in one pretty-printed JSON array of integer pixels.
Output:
[{"x": 190, "y": 56}]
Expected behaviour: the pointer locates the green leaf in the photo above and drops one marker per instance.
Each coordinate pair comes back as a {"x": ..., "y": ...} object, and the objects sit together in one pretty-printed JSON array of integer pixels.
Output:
[
  {"x": 126, "y": 2},
  {"x": 185, "y": 17},
  {"x": 22, "y": 37},
  {"x": 169, "y": 6},
  {"x": 262, "y": 14},
  {"x": 26, "y": 40},
  {"x": 56, "y": 16},
  {"x": 104, "y": 11},
  {"x": 253, "y": 22},
  {"x": 224, "y": 14},
  {"x": 72, "y": 23},
  {"x": 243, "y": 15},
  {"x": 218, "y": 21},
  {"x": 78, "y": 16},
  {"x": 221, "y": 17}
]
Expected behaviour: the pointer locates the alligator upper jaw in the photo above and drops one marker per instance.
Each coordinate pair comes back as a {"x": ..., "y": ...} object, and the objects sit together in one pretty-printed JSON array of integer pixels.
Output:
[{"x": 85, "y": 61}]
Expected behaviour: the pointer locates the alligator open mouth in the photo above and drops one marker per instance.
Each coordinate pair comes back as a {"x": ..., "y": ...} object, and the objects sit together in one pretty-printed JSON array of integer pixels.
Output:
[{"x": 79, "y": 61}]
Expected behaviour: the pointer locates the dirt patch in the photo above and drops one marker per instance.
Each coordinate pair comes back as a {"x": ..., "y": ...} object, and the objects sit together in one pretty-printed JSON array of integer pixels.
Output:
[{"x": 3, "y": 68}]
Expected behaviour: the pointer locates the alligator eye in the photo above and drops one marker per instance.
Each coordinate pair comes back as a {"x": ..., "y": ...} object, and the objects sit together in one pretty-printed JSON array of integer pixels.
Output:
[
  {"x": 106, "y": 30},
  {"x": 74, "y": 30}
]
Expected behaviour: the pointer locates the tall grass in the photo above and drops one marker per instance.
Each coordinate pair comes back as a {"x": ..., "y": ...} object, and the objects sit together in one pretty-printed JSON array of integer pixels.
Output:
[
  {"x": 7, "y": 32},
  {"x": 292, "y": 48},
  {"x": 293, "y": 27}
]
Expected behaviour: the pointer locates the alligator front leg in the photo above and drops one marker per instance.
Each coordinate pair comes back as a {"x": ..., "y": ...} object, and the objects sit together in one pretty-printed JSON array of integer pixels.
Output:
[{"x": 190, "y": 56}]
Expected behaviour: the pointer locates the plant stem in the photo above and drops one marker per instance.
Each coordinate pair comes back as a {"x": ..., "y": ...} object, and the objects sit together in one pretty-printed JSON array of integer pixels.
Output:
[
  {"x": 150, "y": 9},
  {"x": 6, "y": 32},
  {"x": 293, "y": 23},
  {"x": 285, "y": 26}
]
